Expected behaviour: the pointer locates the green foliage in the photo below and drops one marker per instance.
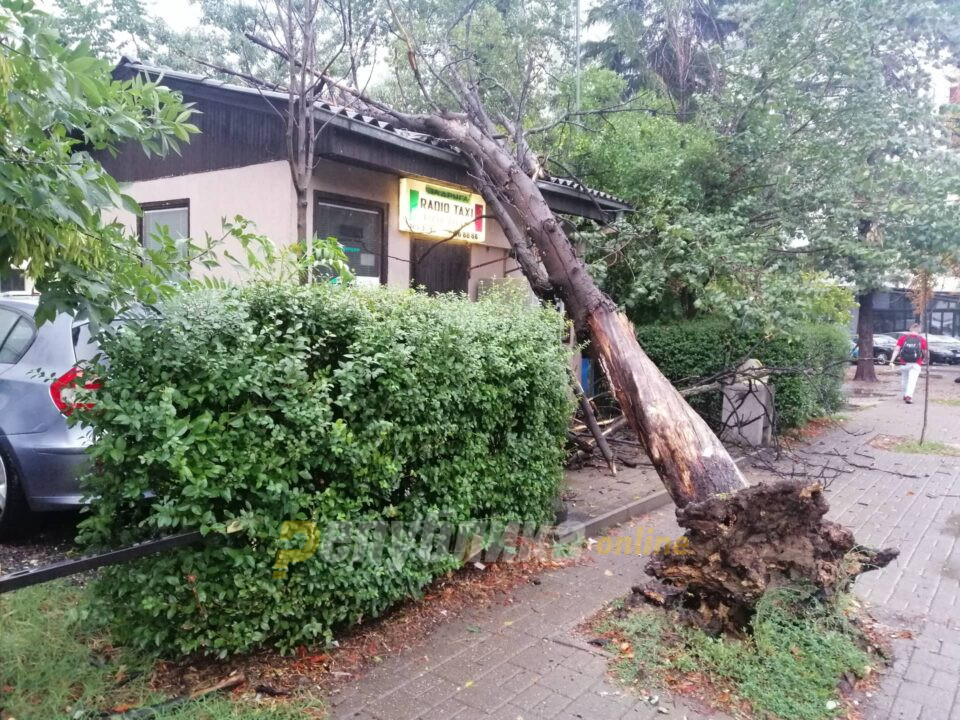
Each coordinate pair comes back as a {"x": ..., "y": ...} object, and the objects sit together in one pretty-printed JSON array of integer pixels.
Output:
[
  {"x": 57, "y": 104},
  {"x": 789, "y": 138},
  {"x": 788, "y": 668},
  {"x": 791, "y": 664},
  {"x": 688, "y": 351},
  {"x": 56, "y": 663},
  {"x": 322, "y": 403},
  {"x": 103, "y": 25}
]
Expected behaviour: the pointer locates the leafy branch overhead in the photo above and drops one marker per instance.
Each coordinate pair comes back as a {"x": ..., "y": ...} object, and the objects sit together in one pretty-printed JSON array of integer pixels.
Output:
[{"x": 57, "y": 104}]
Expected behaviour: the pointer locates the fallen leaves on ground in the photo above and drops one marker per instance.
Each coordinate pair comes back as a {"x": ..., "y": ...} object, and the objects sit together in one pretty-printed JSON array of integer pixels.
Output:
[{"x": 321, "y": 670}]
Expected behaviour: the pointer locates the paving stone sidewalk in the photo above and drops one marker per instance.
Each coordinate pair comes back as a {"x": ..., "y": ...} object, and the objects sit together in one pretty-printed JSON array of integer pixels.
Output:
[{"x": 523, "y": 658}]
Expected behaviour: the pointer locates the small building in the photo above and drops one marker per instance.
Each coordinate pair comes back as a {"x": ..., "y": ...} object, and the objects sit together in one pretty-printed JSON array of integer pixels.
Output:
[
  {"x": 893, "y": 310},
  {"x": 389, "y": 196}
]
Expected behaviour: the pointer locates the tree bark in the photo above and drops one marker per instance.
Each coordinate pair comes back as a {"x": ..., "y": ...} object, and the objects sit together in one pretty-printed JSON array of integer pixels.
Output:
[{"x": 866, "y": 372}]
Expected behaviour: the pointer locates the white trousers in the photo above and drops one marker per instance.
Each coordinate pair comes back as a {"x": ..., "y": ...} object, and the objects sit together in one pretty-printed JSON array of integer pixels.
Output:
[{"x": 909, "y": 372}]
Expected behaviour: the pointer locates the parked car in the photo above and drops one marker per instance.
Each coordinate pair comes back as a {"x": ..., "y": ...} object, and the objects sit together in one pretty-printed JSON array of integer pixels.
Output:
[
  {"x": 883, "y": 346},
  {"x": 41, "y": 457},
  {"x": 944, "y": 349}
]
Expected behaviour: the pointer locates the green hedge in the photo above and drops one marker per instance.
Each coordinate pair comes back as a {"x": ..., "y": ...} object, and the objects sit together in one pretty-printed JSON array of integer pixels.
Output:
[
  {"x": 694, "y": 349},
  {"x": 257, "y": 405}
]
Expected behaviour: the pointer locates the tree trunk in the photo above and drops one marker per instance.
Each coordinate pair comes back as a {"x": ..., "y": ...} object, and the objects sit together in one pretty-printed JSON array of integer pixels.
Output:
[
  {"x": 306, "y": 275},
  {"x": 692, "y": 462},
  {"x": 866, "y": 371},
  {"x": 727, "y": 573}
]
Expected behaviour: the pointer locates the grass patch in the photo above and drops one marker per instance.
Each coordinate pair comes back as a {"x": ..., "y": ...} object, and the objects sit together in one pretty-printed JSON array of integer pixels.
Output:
[
  {"x": 54, "y": 663},
  {"x": 788, "y": 668},
  {"x": 954, "y": 402},
  {"x": 929, "y": 447}
]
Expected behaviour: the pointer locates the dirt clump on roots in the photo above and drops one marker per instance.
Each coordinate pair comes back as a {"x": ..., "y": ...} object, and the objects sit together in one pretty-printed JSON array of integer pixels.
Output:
[{"x": 743, "y": 544}]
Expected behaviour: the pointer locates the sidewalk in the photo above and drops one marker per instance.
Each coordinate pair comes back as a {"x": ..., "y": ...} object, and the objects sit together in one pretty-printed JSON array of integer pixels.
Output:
[
  {"x": 519, "y": 659},
  {"x": 524, "y": 659}
]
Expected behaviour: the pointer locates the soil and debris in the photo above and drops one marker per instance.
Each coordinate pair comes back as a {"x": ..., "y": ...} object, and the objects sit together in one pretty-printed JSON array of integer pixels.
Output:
[{"x": 50, "y": 540}]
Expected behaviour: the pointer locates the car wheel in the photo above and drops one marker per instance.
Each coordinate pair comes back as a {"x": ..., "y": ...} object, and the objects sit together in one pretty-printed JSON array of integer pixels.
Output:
[
  {"x": 881, "y": 357},
  {"x": 14, "y": 510}
]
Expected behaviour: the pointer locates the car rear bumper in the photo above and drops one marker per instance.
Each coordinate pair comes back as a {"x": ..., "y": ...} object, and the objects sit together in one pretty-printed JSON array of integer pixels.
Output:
[{"x": 49, "y": 465}]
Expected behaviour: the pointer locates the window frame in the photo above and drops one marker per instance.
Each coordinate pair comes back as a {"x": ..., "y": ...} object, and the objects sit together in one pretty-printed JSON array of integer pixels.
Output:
[
  {"x": 15, "y": 272},
  {"x": 320, "y": 196},
  {"x": 181, "y": 203}
]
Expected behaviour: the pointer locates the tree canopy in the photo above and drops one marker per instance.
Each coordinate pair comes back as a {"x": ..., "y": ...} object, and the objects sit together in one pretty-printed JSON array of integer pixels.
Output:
[
  {"x": 808, "y": 143},
  {"x": 56, "y": 105},
  {"x": 760, "y": 142}
]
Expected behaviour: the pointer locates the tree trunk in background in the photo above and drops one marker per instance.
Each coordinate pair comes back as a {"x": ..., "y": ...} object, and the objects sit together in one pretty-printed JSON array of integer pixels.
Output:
[
  {"x": 866, "y": 371},
  {"x": 306, "y": 249}
]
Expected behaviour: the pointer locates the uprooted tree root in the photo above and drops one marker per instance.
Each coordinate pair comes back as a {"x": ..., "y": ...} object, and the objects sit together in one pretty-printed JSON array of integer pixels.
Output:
[{"x": 743, "y": 544}]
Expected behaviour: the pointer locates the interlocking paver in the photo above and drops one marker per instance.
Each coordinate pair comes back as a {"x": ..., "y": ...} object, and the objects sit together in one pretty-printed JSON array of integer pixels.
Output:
[
  {"x": 552, "y": 705},
  {"x": 567, "y": 682},
  {"x": 527, "y": 662},
  {"x": 530, "y": 697},
  {"x": 591, "y": 706}
]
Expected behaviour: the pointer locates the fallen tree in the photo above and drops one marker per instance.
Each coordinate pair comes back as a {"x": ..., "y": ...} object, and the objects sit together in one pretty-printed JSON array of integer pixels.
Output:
[{"x": 714, "y": 504}]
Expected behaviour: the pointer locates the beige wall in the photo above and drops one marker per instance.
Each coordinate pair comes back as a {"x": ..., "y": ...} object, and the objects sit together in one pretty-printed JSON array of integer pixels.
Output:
[
  {"x": 264, "y": 194},
  {"x": 261, "y": 193}
]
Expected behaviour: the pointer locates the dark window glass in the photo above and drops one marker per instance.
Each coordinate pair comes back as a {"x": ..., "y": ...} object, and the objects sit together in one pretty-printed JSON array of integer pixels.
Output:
[
  {"x": 18, "y": 340},
  {"x": 12, "y": 281},
  {"x": 359, "y": 230},
  {"x": 8, "y": 319}
]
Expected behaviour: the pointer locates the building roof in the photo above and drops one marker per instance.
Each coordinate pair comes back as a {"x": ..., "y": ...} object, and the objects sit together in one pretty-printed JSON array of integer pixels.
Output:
[{"x": 356, "y": 122}]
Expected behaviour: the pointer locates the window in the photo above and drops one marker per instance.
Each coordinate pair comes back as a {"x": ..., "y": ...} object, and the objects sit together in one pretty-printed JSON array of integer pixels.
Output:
[
  {"x": 84, "y": 346},
  {"x": 172, "y": 216},
  {"x": 358, "y": 227},
  {"x": 16, "y": 336},
  {"x": 12, "y": 280}
]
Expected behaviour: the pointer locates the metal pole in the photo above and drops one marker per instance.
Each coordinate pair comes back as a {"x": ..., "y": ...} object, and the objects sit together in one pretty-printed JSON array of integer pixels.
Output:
[
  {"x": 926, "y": 368},
  {"x": 64, "y": 568},
  {"x": 577, "y": 50}
]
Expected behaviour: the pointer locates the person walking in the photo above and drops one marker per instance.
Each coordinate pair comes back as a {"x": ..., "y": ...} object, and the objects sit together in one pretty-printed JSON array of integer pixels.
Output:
[{"x": 910, "y": 351}]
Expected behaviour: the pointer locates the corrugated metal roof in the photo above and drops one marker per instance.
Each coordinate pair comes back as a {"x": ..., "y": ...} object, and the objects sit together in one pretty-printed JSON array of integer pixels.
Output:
[{"x": 354, "y": 116}]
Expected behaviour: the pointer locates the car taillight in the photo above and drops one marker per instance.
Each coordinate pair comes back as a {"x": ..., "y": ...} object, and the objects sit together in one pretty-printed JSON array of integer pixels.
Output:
[{"x": 63, "y": 390}]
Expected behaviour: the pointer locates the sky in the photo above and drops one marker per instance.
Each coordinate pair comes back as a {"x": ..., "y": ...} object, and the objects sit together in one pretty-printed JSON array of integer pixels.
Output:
[{"x": 179, "y": 14}]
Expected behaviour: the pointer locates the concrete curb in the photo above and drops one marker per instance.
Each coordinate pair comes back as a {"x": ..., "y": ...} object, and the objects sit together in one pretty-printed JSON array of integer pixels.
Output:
[
  {"x": 593, "y": 526},
  {"x": 654, "y": 501}
]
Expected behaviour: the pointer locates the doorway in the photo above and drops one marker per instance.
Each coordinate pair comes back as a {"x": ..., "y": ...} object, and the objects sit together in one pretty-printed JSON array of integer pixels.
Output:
[{"x": 439, "y": 266}]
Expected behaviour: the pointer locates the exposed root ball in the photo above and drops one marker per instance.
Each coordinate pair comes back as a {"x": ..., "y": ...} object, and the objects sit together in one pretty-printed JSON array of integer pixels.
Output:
[{"x": 745, "y": 543}]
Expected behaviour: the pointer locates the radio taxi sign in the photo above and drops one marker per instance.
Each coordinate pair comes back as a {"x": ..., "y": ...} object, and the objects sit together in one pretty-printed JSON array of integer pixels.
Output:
[{"x": 438, "y": 211}]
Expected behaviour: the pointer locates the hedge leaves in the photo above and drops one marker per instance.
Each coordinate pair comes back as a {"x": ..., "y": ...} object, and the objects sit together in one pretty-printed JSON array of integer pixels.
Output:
[{"x": 261, "y": 404}]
